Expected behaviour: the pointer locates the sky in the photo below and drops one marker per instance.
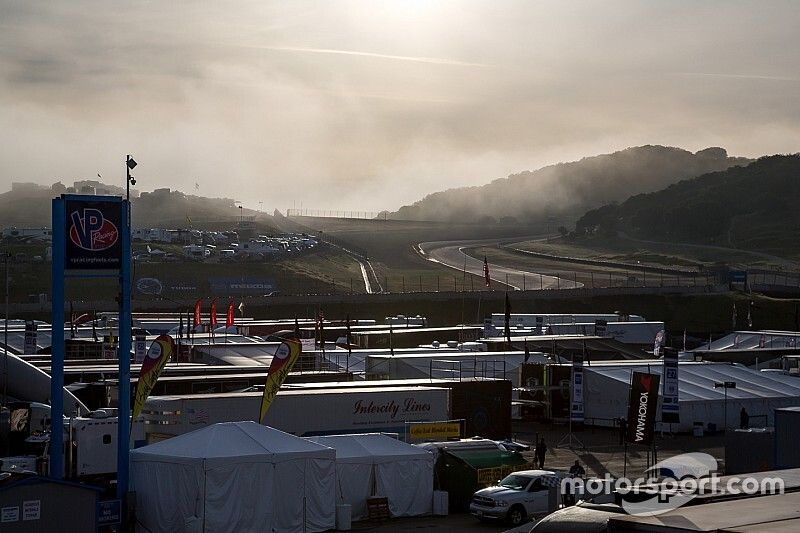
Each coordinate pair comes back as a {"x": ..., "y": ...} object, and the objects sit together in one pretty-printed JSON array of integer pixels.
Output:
[{"x": 370, "y": 105}]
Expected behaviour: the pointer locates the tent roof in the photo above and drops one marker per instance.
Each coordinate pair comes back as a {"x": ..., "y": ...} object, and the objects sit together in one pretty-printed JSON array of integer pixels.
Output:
[
  {"x": 370, "y": 448},
  {"x": 231, "y": 442},
  {"x": 479, "y": 459},
  {"x": 696, "y": 380}
]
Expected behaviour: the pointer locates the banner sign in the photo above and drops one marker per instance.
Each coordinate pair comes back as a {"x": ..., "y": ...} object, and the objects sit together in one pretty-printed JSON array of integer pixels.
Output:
[
  {"x": 670, "y": 410},
  {"x": 158, "y": 355},
  {"x": 490, "y": 476},
  {"x": 109, "y": 347},
  {"x": 642, "y": 406},
  {"x": 30, "y": 347},
  {"x": 576, "y": 409},
  {"x": 239, "y": 285},
  {"x": 109, "y": 512},
  {"x": 309, "y": 345},
  {"x": 140, "y": 348},
  {"x": 422, "y": 431},
  {"x": 92, "y": 240},
  {"x": 600, "y": 327},
  {"x": 658, "y": 342}
]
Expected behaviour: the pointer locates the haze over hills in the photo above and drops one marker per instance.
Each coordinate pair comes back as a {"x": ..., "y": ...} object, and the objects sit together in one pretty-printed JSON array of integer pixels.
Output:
[
  {"x": 567, "y": 190},
  {"x": 752, "y": 207},
  {"x": 28, "y": 205}
]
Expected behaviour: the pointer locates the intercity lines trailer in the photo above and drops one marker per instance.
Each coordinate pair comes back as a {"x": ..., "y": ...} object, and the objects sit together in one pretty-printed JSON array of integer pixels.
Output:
[{"x": 301, "y": 412}]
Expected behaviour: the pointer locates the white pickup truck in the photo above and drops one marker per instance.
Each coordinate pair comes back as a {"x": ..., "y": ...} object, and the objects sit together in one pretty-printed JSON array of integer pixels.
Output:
[{"x": 519, "y": 496}]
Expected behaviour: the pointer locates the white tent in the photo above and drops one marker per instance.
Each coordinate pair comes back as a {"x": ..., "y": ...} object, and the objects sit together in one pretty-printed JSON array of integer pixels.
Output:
[
  {"x": 607, "y": 384},
  {"x": 372, "y": 464},
  {"x": 234, "y": 476}
]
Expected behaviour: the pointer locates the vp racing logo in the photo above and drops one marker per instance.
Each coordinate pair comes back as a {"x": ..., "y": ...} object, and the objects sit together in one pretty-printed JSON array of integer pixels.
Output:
[{"x": 91, "y": 231}]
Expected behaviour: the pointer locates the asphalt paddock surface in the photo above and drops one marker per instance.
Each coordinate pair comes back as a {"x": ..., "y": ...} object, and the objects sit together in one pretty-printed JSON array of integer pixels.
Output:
[{"x": 598, "y": 450}]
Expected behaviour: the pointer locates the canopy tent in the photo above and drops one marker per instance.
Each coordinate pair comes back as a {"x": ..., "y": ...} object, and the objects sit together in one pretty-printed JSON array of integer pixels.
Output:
[
  {"x": 375, "y": 464},
  {"x": 234, "y": 476}
]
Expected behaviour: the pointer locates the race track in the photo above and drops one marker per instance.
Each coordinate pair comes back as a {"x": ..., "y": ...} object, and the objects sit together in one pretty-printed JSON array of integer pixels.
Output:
[{"x": 451, "y": 254}]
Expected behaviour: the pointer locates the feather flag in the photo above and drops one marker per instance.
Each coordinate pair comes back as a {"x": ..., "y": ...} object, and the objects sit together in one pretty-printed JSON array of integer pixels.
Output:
[
  {"x": 230, "y": 315},
  {"x": 282, "y": 362},
  {"x": 198, "y": 309},
  {"x": 212, "y": 321},
  {"x": 157, "y": 356},
  {"x": 486, "y": 277}
]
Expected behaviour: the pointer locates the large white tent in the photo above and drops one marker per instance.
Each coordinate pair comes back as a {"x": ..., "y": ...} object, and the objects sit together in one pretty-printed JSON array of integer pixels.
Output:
[
  {"x": 373, "y": 464},
  {"x": 234, "y": 476},
  {"x": 760, "y": 393}
]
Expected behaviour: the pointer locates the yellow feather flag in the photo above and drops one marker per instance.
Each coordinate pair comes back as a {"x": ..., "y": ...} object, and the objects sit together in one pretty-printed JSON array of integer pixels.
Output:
[
  {"x": 282, "y": 362},
  {"x": 157, "y": 356}
]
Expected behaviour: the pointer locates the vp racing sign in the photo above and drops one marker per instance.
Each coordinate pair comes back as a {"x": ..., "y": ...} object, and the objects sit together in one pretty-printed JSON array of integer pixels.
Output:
[{"x": 93, "y": 238}]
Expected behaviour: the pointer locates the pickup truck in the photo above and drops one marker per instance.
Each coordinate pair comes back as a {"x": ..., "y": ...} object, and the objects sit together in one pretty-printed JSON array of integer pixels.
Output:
[{"x": 518, "y": 497}]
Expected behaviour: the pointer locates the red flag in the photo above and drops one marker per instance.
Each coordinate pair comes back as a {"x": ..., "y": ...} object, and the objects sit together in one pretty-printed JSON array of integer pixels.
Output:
[
  {"x": 212, "y": 321},
  {"x": 486, "y": 276},
  {"x": 198, "y": 308},
  {"x": 230, "y": 315}
]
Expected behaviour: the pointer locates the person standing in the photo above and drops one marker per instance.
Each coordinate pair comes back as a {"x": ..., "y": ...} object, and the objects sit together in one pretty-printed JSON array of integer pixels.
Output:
[
  {"x": 541, "y": 450},
  {"x": 744, "y": 419},
  {"x": 577, "y": 470}
]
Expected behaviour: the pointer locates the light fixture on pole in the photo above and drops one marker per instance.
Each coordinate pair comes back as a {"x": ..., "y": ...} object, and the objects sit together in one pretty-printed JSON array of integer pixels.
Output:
[
  {"x": 725, "y": 385},
  {"x": 130, "y": 164}
]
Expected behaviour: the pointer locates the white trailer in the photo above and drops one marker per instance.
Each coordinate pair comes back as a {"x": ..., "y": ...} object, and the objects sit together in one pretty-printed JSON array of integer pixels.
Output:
[
  {"x": 301, "y": 412},
  {"x": 527, "y": 320},
  {"x": 95, "y": 443},
  {"x": 639, "y": 333}
]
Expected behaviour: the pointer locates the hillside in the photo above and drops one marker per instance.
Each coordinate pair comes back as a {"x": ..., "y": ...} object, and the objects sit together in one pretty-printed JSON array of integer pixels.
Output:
[
  {"x": 752, "y": 208},
  {"x": 566, "y": 190},
  {"x": 28, "y": 205}
]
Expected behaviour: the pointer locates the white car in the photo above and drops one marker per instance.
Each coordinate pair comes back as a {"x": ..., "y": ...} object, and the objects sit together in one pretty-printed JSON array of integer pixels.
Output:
[{"x": 518, "y": 497}]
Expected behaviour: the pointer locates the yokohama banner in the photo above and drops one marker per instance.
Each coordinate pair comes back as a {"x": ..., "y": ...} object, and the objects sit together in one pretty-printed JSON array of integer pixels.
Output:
[{"x": 642, "y": 407}]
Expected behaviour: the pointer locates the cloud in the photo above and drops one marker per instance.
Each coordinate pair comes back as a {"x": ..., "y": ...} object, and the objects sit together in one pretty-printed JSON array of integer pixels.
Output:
[
  {"x": 429, "y": 60},
  {"x": 372, "y": 105}
]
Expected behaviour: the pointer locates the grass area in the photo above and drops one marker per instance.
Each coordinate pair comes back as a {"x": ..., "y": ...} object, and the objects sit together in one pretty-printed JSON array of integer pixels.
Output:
[
  {"x": 657, "y": 254},
  {"x": 590, "y": 276},
  {"x": 323, "y": 270},
  {"x": 392, "y": 242}
]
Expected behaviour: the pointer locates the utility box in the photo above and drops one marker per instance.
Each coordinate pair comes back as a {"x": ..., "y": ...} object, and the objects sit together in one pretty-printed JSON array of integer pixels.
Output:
[
  {"x": 749, "y": 450},
  {"x": 787, "y": 425}
]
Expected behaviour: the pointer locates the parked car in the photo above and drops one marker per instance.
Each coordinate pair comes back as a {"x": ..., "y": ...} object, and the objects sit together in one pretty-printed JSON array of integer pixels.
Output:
[{"x": 518, "y": 497}]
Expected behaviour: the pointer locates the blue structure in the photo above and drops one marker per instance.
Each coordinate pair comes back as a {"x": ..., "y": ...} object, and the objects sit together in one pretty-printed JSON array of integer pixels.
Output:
[{"x": 91, "y": 239}]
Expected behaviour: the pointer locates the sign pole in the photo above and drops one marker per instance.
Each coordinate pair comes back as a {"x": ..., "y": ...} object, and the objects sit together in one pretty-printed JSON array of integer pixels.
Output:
[
  {"x": 124, "y": 354},
  {"x": 57, "y": 357}
]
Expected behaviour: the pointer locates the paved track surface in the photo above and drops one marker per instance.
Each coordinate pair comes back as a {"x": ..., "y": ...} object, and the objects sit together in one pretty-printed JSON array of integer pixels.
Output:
[{"x": 451, "y": 254}]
